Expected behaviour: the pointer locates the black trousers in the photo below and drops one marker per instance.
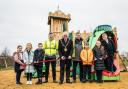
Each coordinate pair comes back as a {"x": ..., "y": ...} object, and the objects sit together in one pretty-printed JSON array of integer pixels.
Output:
[
  {"x": 29, "y": 76},
  {"x": 53, "y": 64},
  {"x": 109, "y": 63},
  {"x": 65, "y": 63},
  {"x": 86, "y": 72},
  {"x": 99, "y": 75},
  {"x": 18, "y": 75},
  {"x": 38, "y": 68},
  {"x": 75, "y": 63}
]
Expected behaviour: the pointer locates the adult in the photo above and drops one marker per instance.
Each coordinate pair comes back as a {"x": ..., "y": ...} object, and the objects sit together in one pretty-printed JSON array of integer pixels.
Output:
[
  {"x": 78, "y": 46},
  {"x": 50, "y": 46},
  {"x": 99, "y": 56},
  {"x": 65, "y": 50},
  {"x": 111, "y": 50}
]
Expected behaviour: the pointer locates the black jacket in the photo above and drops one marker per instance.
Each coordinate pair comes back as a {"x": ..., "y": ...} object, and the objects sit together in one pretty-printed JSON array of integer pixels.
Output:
[
  {"x": 98, "y": 63},
  {"x": 69, "y": 47},
  {"x": 109, "y": 47},
  {"x": 38, "y": 55}
]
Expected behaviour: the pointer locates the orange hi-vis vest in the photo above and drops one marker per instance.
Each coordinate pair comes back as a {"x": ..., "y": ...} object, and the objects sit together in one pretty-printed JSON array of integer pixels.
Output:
[{"x": 87, "y": 56}]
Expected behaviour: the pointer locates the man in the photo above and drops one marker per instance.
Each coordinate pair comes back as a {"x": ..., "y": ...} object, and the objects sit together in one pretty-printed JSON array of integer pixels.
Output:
[
  {"x": 111, "y": 51},
  {"x": 77, "y": 60},
  {"x": 38, "y": 64},
  {"x": 50, "y": 47},
  {"x": 65, "y": 50}
]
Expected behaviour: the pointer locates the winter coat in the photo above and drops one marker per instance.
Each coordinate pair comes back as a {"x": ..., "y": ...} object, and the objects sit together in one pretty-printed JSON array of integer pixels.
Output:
[
  {"x": 28, "y": 60},
  {"x": 18, "y": 58},
  {"x": 98, "y": 58},
  {"x": 78, "y": 46},
  {"x": 87, "y": 56}
]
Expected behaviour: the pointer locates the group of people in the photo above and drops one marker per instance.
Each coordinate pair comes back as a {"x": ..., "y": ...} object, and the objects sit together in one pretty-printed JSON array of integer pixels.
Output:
[{"x": 71, "y": 53}]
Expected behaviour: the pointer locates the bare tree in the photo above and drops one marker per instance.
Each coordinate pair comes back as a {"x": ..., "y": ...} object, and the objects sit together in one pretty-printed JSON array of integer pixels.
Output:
[{"x": 5, "y": 54}]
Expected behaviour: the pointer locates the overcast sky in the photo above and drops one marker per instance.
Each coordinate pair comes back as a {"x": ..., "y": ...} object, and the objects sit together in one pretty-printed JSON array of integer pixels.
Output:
[{"x": 23, "y": 21}]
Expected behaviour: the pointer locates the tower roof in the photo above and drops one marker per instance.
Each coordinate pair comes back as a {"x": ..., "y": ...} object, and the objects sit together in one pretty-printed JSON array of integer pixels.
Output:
[{"x": 58, "y": 14}]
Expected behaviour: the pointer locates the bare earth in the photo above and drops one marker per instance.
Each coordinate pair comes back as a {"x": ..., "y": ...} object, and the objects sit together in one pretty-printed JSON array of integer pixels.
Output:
[{"x": 7, "y": 81}]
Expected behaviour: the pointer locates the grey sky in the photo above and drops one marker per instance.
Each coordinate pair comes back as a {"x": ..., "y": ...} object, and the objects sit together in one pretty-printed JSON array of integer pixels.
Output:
[{"x": 23, "y": 21}]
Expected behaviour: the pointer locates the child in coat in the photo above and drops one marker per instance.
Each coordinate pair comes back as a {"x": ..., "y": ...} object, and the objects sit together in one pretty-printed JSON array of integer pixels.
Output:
[
  {"x": 28, "y": 60},
  {"x": 87, "y": 59}
]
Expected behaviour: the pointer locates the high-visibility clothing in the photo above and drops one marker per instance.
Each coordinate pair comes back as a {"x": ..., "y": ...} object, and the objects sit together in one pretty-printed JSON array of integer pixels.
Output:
[
  {"x": 87, "y": 56},
  {"x": 50, "y": 47}
]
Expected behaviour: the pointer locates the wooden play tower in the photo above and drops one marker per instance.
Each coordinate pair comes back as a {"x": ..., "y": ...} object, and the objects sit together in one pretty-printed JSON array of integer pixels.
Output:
[{"x": 58, "y": 22}]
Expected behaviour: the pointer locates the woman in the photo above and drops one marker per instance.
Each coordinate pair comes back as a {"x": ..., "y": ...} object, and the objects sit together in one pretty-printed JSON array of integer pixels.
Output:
[
  {"x": 28, "y": 59},
  {"x": 18, "y": 58},
  {"x": 99, "y": 56}
]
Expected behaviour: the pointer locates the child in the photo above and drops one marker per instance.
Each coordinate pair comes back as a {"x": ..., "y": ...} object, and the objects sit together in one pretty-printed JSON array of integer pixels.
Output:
[
  {"x": 99, "y": 55},
  {"x": 38, "y": 57},
  {"x": 28, "y": 59},
  {"x": 18, "y": 58},
  {"x": 87, "y": 59}
]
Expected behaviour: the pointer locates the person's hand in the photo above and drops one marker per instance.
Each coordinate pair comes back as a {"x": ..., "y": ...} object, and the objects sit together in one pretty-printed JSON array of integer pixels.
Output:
[
  {"x": 23, "y": 64},
  {"x": 69, "y": 57},
  {"x": 95, "y": 59},
  {"x": 100, "y": 58},
  {"x": 36, "y": 61},
  {"x": 63, "y": 58},
  {"x": 114, "y": 55}
]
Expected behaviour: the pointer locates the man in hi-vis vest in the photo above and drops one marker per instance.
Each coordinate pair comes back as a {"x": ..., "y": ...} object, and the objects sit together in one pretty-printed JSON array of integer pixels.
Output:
[{"x": 50, "y": 47}]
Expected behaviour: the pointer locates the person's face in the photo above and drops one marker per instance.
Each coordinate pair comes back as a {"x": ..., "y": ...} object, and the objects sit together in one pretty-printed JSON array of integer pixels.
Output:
[
  {"x": 29, "y": 46},
  {"x": 40, "y": 46},
  {"x": 104, "y": 36},
  {"x": 78, "y": 36},
  {"x": 19, "y": 49},
  {"x": 86, "y": 46},
  {"x": 98, "y": 43},
  {"x": 50, "y": 36},
  {"x": 65, "y": 36}
]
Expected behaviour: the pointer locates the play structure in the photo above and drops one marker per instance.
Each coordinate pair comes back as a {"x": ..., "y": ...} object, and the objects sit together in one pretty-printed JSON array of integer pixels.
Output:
[{"x": 97, "y": 36}]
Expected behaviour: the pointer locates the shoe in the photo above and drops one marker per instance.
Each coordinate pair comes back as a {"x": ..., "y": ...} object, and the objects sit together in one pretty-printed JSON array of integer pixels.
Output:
[
  {"x": 46, "y": 81},
  {"x": 84, "y": 81},
  {"x": 101, "y": 81},
  {"x": 60, "y": 82},
  {"x": 39, "y": 81},
  {"x": 30, "y": 82},
  {"x": 54, "y": 81},
  {"x": 74, "y": 81},
  {"x": 90, "y": 81},
  {"x": 19, "y": 83},
  {"x": 68, "y": 81},
  {"x": 27, "y": 82}
]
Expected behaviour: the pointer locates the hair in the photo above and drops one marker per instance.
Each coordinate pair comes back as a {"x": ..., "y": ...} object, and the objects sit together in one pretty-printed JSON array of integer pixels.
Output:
[
  {"x": 19, "y": 46},
  {"x": 50, "y": 33},
  {"x": 86, "y": 43},
  {"x": 64, "y": 34},
  {"x": 28, "y": 44},
  {"x": 39, "y": 43},
  {"x": 78, "y": 32},
  {"x": 104, "y": 34}
]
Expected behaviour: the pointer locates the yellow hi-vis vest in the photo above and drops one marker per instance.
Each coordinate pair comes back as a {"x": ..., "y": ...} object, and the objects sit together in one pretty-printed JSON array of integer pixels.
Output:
[{"x": 50, "y": 47}]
